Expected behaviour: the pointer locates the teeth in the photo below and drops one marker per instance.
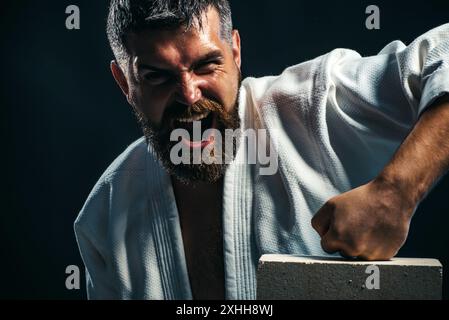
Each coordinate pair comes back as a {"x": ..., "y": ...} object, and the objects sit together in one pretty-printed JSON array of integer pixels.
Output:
[{"x": 196, "y": 117}]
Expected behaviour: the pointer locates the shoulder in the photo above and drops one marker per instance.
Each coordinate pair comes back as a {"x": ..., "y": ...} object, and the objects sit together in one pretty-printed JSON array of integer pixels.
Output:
[
  {"x": 291, "y": 82},
  {"x": 132, "y": 159},
  {"x": 301, "y": 83},
  {"x": 123, "y": 181},
  {"x": 291, "y": 76}
]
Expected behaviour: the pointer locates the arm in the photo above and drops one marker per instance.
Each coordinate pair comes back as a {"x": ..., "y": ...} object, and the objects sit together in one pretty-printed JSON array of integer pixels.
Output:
[
  {"x": 98, "y": 283},
  {"x": 92, "y": 244},
  {"x": 372, "y": 221},
  {"x": 424, "y": 155}
]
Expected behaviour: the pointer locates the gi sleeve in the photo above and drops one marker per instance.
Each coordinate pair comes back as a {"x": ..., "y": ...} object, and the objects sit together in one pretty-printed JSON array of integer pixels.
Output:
[{"x": 394, "y": 87}]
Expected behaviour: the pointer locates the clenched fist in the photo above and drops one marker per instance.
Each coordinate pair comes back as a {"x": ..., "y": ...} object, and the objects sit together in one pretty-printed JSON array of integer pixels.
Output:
[{"x": 370, "y": 222}]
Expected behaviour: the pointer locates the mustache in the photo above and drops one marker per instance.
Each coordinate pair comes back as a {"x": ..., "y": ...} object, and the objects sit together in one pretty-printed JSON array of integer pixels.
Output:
[{"x": 200, "y": 107}]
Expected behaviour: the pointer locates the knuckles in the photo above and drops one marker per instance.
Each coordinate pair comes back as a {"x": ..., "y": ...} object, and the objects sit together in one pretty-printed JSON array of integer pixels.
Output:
[{"x": 368, "y": 227}]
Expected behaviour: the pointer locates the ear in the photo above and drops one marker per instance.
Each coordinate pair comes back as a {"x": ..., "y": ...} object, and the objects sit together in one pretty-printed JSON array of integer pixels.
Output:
[
  {"x": 120, "y": 78},
  {"x": 236, "y": 52}
]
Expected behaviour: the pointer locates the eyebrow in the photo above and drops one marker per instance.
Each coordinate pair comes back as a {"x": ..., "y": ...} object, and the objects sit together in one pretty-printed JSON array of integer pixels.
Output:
[{"x": 213, "y": 55}]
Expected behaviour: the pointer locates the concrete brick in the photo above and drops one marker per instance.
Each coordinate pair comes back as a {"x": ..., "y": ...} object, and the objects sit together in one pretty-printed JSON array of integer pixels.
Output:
[{"x": 302, "y": 278}]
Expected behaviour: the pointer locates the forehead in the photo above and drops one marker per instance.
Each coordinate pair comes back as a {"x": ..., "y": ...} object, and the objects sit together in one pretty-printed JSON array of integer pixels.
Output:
[{"x": 178, "y": 46}]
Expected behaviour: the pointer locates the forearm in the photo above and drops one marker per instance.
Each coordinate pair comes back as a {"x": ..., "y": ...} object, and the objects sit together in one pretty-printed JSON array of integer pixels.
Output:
[{"x": 423, "y": 156}]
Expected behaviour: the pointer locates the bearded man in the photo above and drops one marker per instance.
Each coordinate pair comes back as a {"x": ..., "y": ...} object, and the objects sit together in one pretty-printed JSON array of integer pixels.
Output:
[{"x": 358, "y": 141}]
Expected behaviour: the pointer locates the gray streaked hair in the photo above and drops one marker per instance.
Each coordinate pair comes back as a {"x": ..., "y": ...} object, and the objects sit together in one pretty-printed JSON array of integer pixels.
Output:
[{"x": 133, "y": 16}]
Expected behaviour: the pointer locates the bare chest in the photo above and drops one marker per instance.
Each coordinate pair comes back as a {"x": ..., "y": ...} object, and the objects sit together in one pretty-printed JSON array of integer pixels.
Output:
[{"x": 201, "y": 225}]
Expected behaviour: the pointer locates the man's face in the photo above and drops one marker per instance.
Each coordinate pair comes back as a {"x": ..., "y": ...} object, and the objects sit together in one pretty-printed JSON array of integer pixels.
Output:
[{"x": 175, "y": 77}]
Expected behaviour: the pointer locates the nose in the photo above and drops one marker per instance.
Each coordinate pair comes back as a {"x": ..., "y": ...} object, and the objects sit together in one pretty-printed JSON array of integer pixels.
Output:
[{"x": 189, "y": 91}]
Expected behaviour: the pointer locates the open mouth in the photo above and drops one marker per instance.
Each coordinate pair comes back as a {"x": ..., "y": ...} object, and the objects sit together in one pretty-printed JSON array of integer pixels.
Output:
[{"x": 207, "y": 120}]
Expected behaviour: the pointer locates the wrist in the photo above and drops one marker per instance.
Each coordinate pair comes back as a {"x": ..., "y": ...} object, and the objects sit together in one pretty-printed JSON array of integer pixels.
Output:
[{"x": 405, "y": 190}]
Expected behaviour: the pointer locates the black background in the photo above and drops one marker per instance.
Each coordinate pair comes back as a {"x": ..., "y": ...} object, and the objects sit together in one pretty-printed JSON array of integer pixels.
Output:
[{"x": 63, "y": 119}]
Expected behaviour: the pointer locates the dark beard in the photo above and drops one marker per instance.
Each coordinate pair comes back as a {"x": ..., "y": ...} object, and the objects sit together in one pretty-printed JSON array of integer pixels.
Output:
[{"x": 160, "y": 140}]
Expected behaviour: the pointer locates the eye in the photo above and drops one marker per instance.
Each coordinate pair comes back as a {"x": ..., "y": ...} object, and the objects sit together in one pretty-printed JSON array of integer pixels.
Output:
[
  {"x": 156, "y": 78},
  {"x": 207, "y": 67}
]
